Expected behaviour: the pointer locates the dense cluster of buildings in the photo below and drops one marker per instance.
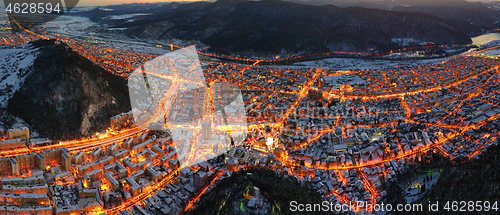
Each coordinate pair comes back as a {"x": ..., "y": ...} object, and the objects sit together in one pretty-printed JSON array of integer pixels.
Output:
[
  {"x": 26, "y": 163},
  {"x": 345, "y": 132}
]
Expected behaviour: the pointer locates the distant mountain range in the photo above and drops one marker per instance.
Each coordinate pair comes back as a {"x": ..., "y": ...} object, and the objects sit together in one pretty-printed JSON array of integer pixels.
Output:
[
  {"x": 471, "y": 17},
  {"x": 388, "y": 4},
  {"x": 273, "y": 27},
  {"x": 277, "y": 27},
  {"x": 65, "y": 95}
]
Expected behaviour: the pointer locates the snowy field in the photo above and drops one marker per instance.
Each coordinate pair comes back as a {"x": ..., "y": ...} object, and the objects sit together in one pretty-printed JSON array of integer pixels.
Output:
[
  {"x": 74, "y": 27},
  {"x": 357, "y": 64},
  {"x": 492, "y": 53},
  {"x": 71, "y": 25},
  {"x": 485, "y": 38},
  {"x": 128, "y": 16},
  {"x": 135, "y": 46}
]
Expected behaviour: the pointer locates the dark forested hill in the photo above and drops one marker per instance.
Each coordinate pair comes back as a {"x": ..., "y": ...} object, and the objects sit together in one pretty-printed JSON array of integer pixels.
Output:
[
  {"x": 66, "y": 95},
  {"x": 274, "y": 27},
  {"x": 472, "y": 18}
]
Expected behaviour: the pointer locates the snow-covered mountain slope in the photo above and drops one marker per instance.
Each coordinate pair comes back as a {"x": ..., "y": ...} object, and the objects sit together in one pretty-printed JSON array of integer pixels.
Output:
[{"x": 15, "y": 64}]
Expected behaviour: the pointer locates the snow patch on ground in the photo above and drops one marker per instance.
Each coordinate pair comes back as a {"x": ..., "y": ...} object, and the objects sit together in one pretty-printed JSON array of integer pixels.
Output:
[
  {"x": 71, "y": 25},
  {"x": 15, "y": 64},
  {"x": 128, "y": 16},
  {"x": 358, "y": 64}
]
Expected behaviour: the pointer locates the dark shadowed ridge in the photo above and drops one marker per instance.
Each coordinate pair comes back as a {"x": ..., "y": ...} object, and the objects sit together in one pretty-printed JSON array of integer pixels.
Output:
[
  {"x": 472, "y": 18},
  {"x": 274, "y": 27},
  {"x": 66, "y": 95}
]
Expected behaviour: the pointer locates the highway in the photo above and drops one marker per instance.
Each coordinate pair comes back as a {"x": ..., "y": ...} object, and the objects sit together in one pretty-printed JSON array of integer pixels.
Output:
[{"x": 76, "y": 146}]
